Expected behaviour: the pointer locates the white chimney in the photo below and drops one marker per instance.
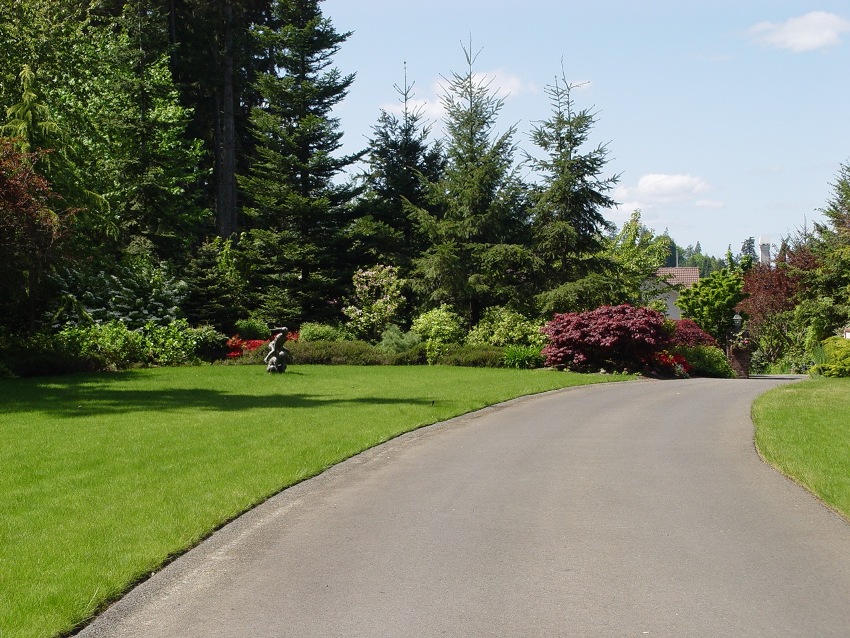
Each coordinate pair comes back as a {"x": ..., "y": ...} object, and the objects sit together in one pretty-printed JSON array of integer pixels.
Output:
[{"x": 764, "y": 251}]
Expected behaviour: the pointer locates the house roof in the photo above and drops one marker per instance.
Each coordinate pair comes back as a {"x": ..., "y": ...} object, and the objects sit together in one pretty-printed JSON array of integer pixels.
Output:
[{"x": 685, "y": 276}]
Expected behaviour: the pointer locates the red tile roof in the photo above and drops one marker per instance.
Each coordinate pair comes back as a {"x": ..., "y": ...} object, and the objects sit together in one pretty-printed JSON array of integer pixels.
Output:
[{"x": 685, "y": 276}]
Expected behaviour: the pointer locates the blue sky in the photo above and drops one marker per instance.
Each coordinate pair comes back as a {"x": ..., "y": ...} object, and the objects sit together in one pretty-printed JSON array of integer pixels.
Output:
[{"x": 725, "y": 119}]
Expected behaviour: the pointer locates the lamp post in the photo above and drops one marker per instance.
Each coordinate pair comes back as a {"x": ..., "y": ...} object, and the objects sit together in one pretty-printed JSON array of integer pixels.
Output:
[{"x": 737, "y": 321}]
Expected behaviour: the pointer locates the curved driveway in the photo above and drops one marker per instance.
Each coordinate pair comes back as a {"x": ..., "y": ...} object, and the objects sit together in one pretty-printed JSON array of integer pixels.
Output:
[{"x": 621, "y": 510}]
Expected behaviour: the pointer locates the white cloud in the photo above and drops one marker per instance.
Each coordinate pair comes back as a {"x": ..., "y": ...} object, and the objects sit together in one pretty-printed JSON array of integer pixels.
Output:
[
  {"x": 431, "y": 109},
  {"x": 505, "y": 84},
  {"x": 708, "y": 203},
  {"x": 659, "y": 188},
  {"x": 815, "y": 30}
]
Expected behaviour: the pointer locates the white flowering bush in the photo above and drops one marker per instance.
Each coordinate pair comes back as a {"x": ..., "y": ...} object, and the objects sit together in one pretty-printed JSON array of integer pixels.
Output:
[{"x": 377, "y": 298}]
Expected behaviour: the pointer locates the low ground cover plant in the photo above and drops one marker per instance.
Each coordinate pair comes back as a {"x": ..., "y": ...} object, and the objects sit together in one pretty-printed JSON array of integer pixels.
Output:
[{"x": 106, "y": 476}]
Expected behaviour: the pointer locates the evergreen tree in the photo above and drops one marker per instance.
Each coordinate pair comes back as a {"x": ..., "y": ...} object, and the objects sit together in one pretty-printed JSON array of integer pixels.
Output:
[
  {"x": 400, "y": 161},
  {"x": 215, "y": 61},
  {"x": 568, "y": 224},
  {"x": 215, "y": 289},
  {"x": 475, "y": 216},
  {"x": 290, "y": 184}
]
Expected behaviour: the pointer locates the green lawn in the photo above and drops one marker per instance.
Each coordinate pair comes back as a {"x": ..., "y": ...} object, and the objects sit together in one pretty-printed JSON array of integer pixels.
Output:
[
  {"x": 803, "y": 429},
  {"x": 104, "y": 477}
]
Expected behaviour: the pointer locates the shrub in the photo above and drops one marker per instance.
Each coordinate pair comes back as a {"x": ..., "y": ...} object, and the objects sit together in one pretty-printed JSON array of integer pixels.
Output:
[
  {"x": 417, "y": 355},
  {"x": 209, "y": 343},
  {"x": 169, "y": 345},
  {"x": 252, "y": 329},
  {"x": 322, "y": 332},
  {"x": 136, "y": 293},
  {"x": 108, "y": 346},
  {"x": 837, "y": 355},
  {"x": 40, "y": 355},
  {"x": 474, "y": 356},
  {"x": 438, "y": 327},
  {"x": 706, "y": 361},
  {"x": 357, "y": 353},
  {"x": 672, "y": 364},
  {"x": 394, "y": 341},
  {"x": 686, "y": 332},
  {"x": 377, "y": 298},
  {"x": 616, "y": 338},
  {"x": 505, "y": 327},
  {"x": 523, "y": 357}
]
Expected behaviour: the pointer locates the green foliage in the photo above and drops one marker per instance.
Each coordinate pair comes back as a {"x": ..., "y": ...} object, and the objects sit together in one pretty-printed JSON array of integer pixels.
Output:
[
  {"x": 357, "y": 353},
  {"x": 252, "y": 328},
  {"x": 208, "y": 343},
  {"x": 837, "y": 354},
  {"x": 311, "y": 331},
  {"x": 711, "y": 302},
  {"x": 706, "y": 361},
  {"x": 400, "y": 162},
  {"x": 290, "y": 184},
  {"x": 636, "y": 254},
  {"x": 394, "y": 341},
  {"x": 567, "y": 219},
  {"x": 135, "y": 293},
  {"x": 215, "y": 291},
  {"x": 504, "y": 327},
  {"x": 475, "y": 356},
  {"x": 104, "y": 346},
  {"x": 438, "y": 328},
  {"x": 474, "y": 217},
  {"x": 523, "y": 357},
  {"x": 377, "y": 298},
  {"x": 169, "y": 345}
]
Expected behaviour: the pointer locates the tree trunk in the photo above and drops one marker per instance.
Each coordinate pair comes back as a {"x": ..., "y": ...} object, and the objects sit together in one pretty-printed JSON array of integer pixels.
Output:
[{"x": 226, "y": 134}]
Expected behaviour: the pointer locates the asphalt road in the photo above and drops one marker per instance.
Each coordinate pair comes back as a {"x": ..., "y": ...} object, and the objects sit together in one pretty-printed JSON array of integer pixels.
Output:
[{"x": 621, "y": 510}]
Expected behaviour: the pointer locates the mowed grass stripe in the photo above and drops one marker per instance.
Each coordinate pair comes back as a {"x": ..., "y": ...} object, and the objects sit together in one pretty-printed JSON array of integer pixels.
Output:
[{"x": 104, "y": 477}]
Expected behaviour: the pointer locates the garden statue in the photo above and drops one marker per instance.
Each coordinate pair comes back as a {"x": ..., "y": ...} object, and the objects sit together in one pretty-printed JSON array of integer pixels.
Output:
[{"x": 278, "y": 354}]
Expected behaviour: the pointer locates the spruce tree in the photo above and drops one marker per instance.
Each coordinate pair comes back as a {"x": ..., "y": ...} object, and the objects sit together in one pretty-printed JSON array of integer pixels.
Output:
[
  {"x": 475, "y": 214},
  {"x": 290, "y": 185},
  {"x": 568, "y": 224},
  {"x": 400, "y": 161}
]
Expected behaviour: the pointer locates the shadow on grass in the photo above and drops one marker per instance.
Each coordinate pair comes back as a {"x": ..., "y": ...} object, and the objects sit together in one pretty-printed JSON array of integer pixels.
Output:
[{"x": 70, "y": 400}]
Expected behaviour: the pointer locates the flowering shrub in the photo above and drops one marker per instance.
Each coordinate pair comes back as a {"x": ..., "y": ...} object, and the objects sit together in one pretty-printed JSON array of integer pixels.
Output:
[
  {"x": 672, "y": 363},
  {"x": 686, "y": 332},
  {"x": 236, "y": 346},
  {"x": 377, "y": 298},
  {"x": 615, "y": 338}
]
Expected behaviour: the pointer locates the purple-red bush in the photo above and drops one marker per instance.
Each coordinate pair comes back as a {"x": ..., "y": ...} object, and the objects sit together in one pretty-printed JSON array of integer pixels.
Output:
[
  {"x": 614, "y": 338},
  {"x": 686, "y": 332}
]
